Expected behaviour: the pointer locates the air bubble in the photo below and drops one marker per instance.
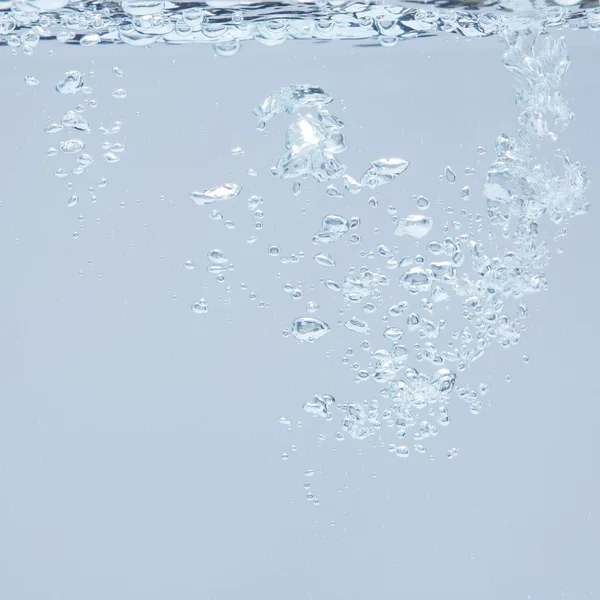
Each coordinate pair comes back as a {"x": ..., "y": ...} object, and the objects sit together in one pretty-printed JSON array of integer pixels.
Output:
[
  {"x": 450, "y": 175},
  {"x": 325, "y": 260},
  {"x": 200, "y": 307}
]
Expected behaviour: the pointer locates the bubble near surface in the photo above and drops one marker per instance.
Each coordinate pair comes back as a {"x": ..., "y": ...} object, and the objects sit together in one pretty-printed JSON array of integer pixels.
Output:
[{"x": 71, "y": 83}]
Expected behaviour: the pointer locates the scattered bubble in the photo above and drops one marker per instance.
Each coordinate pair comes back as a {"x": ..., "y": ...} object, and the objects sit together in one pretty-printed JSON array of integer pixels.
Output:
[
  {"x": 111, "y": 157},
  {"x": 393, "y": 334},
  {"x": 118, "y": 72},
  {"x": 85, "y": 160},
  {"x": 274, "y": 251},
  {"x": 422, "y": 203},
  {"x": 72, "y": 146},
  {"x": 289, "y": 98},
  {"x": 53, "y": 128},
  {"x": 200, "y": 307},
  {"x": 402, "y": 451},
  {"x": 325, "y": 260},
  {"x": 217, "y": 257},
  {"x": 450, "y": 175},
  {"x": 335, "y": 224},
  {"x": 30, "y": 80},
  {"x": 222, "y": 192},
  {"x": 351, "y": 185},
  {"x": 383, "y": 171},
  {"x": 416, "y": 226},
  {"x": 358, "y": 325},
  {"x": 71, "y": 83},
  {"x": 312, "y": 307},
  {"x": 72, "y": 201},
  {"x": 308, "y": 329},
  {"x": 119, "y": 94},
  {"x": 334, "y": 192}
]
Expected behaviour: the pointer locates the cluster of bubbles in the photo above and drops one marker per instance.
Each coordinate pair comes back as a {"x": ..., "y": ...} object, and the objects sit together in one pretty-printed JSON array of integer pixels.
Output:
[
  {"x": 23, "y": 23},
  {"x": 75, "y": 128},
  {"x": 520, "y": 190}
]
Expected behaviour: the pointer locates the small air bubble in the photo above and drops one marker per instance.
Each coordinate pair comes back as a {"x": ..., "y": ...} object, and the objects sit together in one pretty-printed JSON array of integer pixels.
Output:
[
  {"x": 450, "y": 175},
  {"x": 200, "y": 307},
  {"x": 422, "y": 202}
]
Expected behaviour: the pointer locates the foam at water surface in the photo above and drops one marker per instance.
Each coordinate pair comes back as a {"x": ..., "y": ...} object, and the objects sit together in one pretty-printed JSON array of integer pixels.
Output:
[{"x": 227, "y": 24}]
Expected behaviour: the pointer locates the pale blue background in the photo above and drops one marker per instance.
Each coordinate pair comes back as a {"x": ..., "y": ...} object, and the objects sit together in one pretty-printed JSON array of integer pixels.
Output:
[{"x": 139, "y": 443}]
